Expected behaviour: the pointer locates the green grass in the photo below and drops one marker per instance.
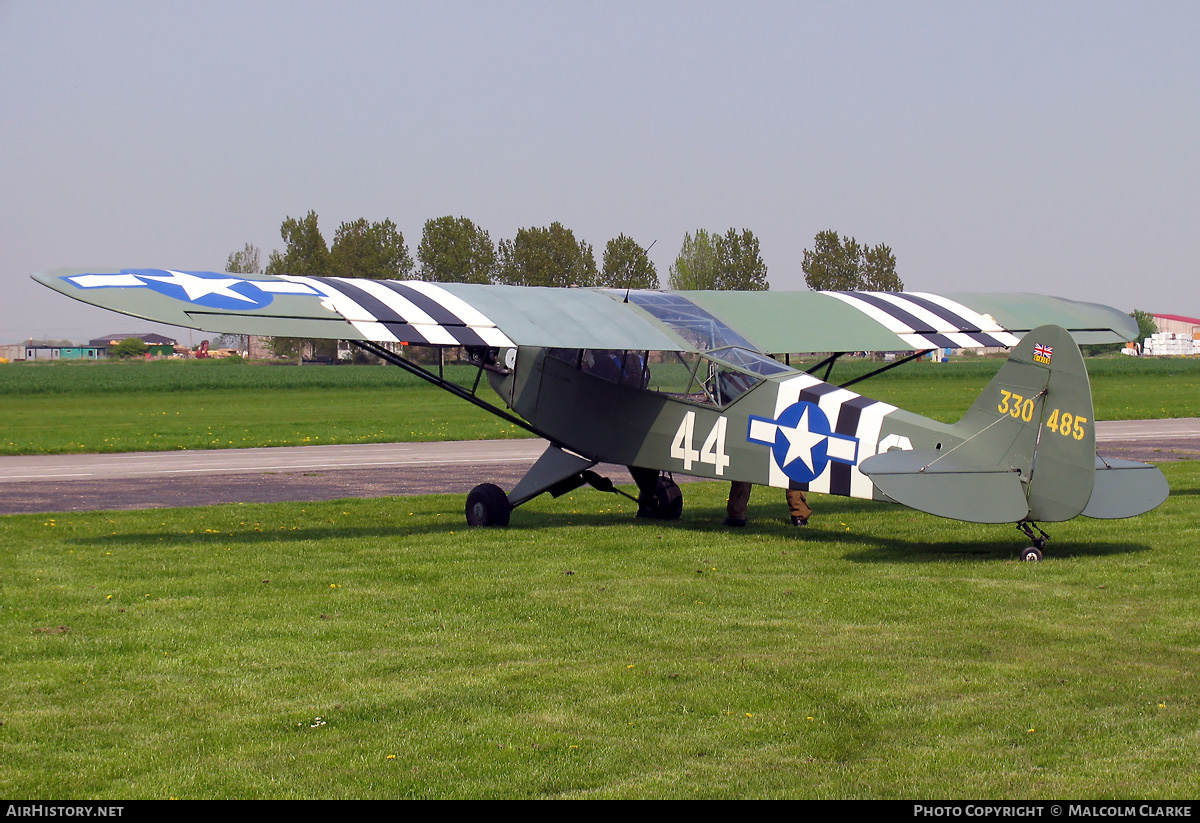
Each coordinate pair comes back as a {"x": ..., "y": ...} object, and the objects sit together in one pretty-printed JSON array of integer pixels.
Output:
[
  {"x": 164, "y": 405},
  {"x": 167, "y": 405},
  {"x": 241, "y": 418},
  {"x": 377, "y": 648}
]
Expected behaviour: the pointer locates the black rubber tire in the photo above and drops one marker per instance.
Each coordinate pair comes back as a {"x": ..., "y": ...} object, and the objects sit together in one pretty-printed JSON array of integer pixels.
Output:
[
  {"x": 1032, "y": 554},
  {"x": 668, "y": 499},
  {"x": 487, "y": 505}
]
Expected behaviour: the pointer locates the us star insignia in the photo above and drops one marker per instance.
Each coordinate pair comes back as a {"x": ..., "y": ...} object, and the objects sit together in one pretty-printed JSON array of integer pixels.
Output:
[{"x": 802, "y": 441}]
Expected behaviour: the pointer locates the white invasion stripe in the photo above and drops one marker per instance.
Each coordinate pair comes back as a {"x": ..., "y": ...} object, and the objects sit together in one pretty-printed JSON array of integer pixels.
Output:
[
  {"x": 281, "y": 287},
  {"x": 375, "y": 331},
  {"x": 96, "y": 281},
  {"x": 412, "y": 314},
  {"x": 789, "y": 391},
  {"x": 493, "y": 336},
  {"x": 939, "y": 324},
  {"x": 877, "y": 314},
  {"x": 964, "y": 340},
  {"x": 831, "y": 405},
  {"x": 355, "y": 315},
  {"x": 465, "y": 312},
  {"x": 870, "y": 423},
  {"x": 479, "y": 322},
  {"x": 985, "y": 322},
  {"x": 918, "y": 342},
  {"x": 339, "y": 302}
]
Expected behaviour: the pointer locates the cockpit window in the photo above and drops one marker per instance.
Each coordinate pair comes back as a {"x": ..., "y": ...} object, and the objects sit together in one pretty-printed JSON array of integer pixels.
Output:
[
  {"x": 689, "y": 321},
  {"x": 725, "y": 367},
  {"x": 750, "y": 361}
]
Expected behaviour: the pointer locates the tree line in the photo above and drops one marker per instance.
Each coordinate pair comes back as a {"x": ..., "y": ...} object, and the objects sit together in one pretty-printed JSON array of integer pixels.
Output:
[{"x": 456, "y": 250}]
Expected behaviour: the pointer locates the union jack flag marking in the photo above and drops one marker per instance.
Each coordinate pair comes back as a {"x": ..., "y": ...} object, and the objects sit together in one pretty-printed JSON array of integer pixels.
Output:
[{"x": 1042, "y": 353}]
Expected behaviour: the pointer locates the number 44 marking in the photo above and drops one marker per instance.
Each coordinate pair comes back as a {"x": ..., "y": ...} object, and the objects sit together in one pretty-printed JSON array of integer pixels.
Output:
[{"x": 713, "y": 450}]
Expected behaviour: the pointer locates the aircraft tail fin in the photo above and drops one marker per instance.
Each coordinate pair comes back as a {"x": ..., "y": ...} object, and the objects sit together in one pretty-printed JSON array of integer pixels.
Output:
[
  {"x": 1025, "y": 450},
  {"x": 1035, "y": 419}
]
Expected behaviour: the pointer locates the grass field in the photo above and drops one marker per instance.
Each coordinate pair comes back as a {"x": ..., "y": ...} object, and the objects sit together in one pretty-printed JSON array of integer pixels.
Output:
[
  {"x": 376, "y": 648},
  {"x": 118, "y": 407}
]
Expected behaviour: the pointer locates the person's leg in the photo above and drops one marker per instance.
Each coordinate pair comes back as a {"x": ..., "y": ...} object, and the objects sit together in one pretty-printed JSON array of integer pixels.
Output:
[
  {"x": 739, "y": 501},
  {"x": 797, "y": 502}
]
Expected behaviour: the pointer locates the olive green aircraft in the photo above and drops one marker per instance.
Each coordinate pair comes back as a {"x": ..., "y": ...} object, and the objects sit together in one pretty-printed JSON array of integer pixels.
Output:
[{"x": 676, "y": 382}]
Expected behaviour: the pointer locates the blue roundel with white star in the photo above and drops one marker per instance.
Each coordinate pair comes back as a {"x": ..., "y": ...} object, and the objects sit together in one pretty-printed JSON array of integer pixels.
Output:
[
  {"x": 801, "y": 445},
  {"x": 203, "y": 288},
  {"x": 217, "y": 291},
  {"x": 802, "y": 442}
]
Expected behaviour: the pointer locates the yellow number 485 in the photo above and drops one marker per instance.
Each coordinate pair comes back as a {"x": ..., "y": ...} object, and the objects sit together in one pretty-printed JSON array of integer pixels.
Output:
[{"x": 1067, "y": 424}]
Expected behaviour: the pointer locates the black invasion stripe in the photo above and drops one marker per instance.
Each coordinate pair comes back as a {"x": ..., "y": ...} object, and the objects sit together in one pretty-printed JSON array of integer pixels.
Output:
[
  {"x": 941, "y": 341},
  {"x": 381, "y": 311},
  {"x": 847, "y": 424},
  {"x": 985, "y": 339},
  {"x": 940, "y": 311},
  {"x": 409, "y": 333},
  {"x": 405, "y": 332},
  {"x": 448, "y": 320},
  {"x": 917, "y": 325},
  {"x": 815, "y": 392},
  {"x": 465, "y": 335},
  {"x": 440, "y": 314},
  {"x": 396, "y": 324}
]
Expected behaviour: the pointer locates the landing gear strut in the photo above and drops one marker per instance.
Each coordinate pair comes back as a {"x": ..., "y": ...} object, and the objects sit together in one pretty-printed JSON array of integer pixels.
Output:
[{"x": 1033, "y": 554}]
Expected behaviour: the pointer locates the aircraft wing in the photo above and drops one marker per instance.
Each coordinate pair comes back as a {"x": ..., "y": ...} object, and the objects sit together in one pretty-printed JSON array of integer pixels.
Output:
[
  {"x": 805, "y": 321},
  {"x": 383, "y": 311},
  {"x": 452, "y": 314}
]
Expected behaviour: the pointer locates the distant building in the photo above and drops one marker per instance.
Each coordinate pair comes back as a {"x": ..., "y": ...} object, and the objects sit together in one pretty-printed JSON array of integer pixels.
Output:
[
  {"x": 156, "y": 344},
  {"x": 1178, "y": 324},
  {"x": 32, "y": 352},
  {"x": 1176, "y": 335}
]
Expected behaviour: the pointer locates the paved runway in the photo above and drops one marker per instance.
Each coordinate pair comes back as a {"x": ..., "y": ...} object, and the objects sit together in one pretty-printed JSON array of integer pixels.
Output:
[{"x": 139, "y": 480}]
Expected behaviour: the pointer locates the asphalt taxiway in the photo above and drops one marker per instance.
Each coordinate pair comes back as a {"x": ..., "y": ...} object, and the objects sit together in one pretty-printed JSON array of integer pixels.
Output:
[{"x": 81, "y": 482}]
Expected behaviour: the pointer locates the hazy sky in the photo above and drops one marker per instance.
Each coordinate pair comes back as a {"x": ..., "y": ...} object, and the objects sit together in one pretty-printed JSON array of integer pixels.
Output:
[{"x": 1051, "y": 147}]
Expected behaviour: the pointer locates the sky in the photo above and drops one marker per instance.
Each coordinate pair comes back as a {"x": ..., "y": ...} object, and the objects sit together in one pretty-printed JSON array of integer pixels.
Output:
[{"x": 1047, "y": 147}]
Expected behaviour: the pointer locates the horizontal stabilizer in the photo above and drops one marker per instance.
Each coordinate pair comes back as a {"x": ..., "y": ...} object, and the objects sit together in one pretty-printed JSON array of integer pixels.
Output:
[
  {"x": 938, "y": 483},
  {"x": 1125, "y": 488}
]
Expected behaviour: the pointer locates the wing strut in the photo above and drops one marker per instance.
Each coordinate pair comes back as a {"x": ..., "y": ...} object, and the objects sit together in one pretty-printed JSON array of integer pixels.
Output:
[
  {"x": 439, "y": 381},
  {"x": 882, "y": 369}
]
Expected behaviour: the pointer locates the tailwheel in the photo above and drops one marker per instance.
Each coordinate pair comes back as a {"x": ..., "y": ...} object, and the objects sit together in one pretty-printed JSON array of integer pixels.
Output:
[
  {"x": 1033, "y": 554},
  {"x": 487, "y": 505}
]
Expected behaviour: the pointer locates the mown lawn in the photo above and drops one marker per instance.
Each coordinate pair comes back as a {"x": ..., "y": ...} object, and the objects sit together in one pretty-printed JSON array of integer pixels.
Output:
[
  {"x": 119, "y": 407},
  {"x": 377, "y": 648}
]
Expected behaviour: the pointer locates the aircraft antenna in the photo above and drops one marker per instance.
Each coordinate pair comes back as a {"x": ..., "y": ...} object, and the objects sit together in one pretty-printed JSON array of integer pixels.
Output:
[{"x": 629, "y": 286}]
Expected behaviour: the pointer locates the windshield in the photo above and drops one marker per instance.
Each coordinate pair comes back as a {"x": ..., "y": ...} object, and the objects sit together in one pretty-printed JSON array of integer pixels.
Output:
[{"x": 689, "y": 321}]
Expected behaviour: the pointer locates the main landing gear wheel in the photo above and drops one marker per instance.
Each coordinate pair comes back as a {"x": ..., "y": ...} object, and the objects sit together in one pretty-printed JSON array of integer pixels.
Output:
[
  {"x": 487, "y": 505},
  {"x": 1031, "y": 554},
  {"x": 668, "y": 499}
]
